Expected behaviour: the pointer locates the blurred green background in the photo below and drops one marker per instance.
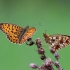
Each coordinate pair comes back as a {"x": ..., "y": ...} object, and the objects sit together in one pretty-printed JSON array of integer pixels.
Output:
[{"x": 54, "y": 15}]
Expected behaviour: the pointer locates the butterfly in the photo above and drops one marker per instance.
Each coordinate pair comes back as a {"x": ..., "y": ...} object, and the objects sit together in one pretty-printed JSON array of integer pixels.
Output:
[
  {"x": 17, "y": 34},
  {"x": 57, "y": 41}
]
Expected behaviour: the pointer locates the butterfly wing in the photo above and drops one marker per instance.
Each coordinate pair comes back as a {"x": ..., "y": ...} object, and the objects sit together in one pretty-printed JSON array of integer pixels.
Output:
[
  {"x": 58, "y": 41},
  {"x": 12, "y": 31},
  {"x": 28, "y": 33},
  {"x": 10, "y": 28},
  {"x": 13, "y": 38}
]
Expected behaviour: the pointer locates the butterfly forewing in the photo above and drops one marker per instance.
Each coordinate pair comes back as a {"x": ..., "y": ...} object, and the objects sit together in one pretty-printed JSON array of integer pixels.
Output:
[
  {"x": 12, "y": 31},
  {"x": 10, "y": 28},
  {"x": 57, "y": 41}
]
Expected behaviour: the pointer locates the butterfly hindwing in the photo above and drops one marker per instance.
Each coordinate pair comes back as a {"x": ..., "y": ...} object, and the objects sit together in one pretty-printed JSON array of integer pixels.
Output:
[{"x": 13, "y": 38}]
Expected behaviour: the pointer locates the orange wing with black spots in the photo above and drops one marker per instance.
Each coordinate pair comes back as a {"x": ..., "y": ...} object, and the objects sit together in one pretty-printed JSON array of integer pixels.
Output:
[
  {"x": 27, "y": 34},
  {"x": 14, "y": 32},
  {"x": 13, "y": 38},
  {"x": 10, "y": 28}
]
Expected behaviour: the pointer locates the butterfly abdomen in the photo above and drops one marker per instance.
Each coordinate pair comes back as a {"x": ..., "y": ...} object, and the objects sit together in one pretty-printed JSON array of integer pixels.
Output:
[{"x": 22, "y": 33}]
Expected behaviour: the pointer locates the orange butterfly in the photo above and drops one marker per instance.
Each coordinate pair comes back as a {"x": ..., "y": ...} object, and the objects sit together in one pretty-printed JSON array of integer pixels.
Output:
[
  {"x": 17, "y": 34},
  {"x": 57, "y": 41}
]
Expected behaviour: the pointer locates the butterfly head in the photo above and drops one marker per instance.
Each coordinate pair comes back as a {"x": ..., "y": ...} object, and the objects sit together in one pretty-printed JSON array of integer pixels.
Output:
[
  {"x": 46, "y": 37},
  {"x": 27, "y": 27}
]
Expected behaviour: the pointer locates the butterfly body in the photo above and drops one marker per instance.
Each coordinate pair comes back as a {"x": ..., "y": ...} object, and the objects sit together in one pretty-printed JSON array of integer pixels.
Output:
[
  {"x": 57, "y": 41},
  {"x": 22, "y": 33},
  {"x": 17, "y": 34}
]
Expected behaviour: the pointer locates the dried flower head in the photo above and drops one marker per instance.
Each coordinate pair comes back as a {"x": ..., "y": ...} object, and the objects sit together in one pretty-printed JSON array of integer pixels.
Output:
[
  {"x": 33, "y": 66},
  {"x": 52, "y": 50},
  {"x": 43, "y": 57},
  {"x": 41, "y": 51},
  {"x": 57, "y": 55},
  {"x": 57, "y": 64}
]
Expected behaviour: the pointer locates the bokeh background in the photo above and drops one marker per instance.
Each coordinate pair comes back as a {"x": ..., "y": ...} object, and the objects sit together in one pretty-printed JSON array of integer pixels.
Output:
[{"x": 54, "y": 15}]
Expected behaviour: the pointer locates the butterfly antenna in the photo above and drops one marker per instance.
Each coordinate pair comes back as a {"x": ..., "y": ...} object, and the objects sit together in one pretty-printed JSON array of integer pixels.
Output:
[
  {"x": 42, "y": 27},
  {"x": 45, "y": 31},
  {"x": 33, "y": 25}
]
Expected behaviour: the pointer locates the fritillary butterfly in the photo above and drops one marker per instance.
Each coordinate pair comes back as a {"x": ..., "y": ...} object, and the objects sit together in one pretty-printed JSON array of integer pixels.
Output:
[
  {"x": 17, "y": 34},
  {"x": 57, "y": 41}
]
